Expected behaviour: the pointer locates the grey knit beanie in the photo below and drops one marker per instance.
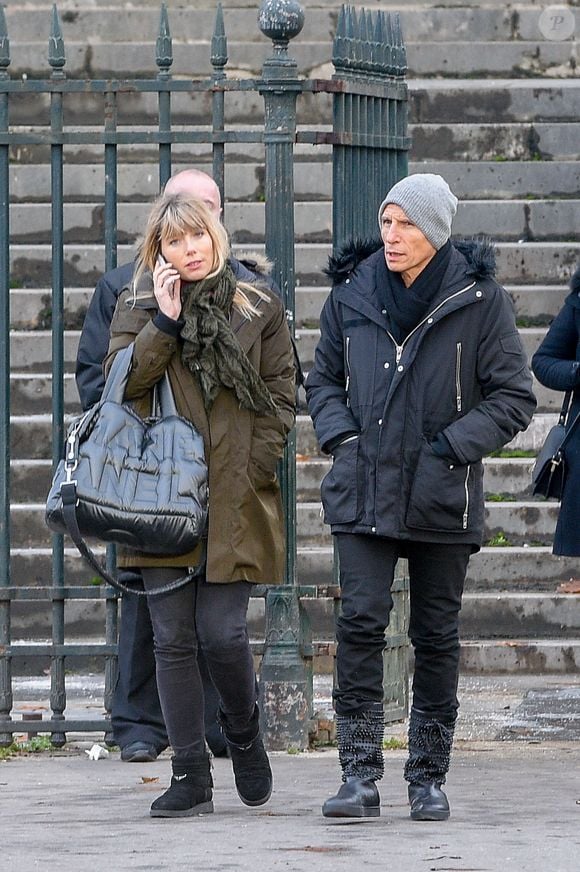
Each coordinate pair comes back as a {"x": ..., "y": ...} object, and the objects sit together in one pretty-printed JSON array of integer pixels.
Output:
[{"x": 427, "y": 200}]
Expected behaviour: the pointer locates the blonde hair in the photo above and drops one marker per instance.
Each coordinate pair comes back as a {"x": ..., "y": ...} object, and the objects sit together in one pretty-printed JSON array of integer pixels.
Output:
[{"x": 173, "y": 215}]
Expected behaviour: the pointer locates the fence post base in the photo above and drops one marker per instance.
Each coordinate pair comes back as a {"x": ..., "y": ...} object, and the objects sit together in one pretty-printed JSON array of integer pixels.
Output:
[{"x": 286, "y": 672}]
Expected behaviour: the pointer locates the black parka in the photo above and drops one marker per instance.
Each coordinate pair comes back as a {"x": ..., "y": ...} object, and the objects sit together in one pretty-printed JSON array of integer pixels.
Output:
[
  {"x": 556, "y": 364},
  {"x": 461, "y": 372}
]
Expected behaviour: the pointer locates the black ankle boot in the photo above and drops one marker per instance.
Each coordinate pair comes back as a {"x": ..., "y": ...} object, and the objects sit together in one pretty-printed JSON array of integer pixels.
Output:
[
  {"x": 360, "y": 751},
  {"x": 189, "y": 792},
  {"x": 428, "y": 802},
  {"x": 252, "y": 772},
  {"x": 430, "y": 744},
  {"x": 356, "y": 798}
]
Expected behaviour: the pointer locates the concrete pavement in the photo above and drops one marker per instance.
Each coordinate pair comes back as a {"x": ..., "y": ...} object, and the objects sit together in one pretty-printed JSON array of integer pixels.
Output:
[
  {"x": 514, "y": 791},
  {"x": 515, "y": 807}
]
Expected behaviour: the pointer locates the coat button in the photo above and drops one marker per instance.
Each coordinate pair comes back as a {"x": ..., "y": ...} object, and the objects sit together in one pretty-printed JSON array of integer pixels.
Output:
[
  {"x": 400, "y": 368},
  {"x": 479, "y": 293},
  {"x": 373, "y": 529},
  {"x": 386, "y": 364},
  {"x": 347, "y": 282},
  {"x": 429, "y": 320},
  {"x": 384, "y": 311},
  {"x": 380, "y": 421}
]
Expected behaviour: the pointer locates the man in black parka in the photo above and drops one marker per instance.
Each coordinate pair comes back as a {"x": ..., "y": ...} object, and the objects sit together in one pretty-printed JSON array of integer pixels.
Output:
[
  {"x": 419, "y": 373},
  {"x": 137, "y": 721}
]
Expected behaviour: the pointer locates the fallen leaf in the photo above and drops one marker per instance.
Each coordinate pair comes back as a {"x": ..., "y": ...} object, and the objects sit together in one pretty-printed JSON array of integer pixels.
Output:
[
  {"x": 146, "y": 780},
  {"x": 572, "y": 586}
]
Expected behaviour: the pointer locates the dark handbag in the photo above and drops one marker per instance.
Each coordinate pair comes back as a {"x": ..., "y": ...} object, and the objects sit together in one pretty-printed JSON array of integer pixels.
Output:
[
  {"x": 131, "y": 481},
  {"x": 549, "y": 469}
]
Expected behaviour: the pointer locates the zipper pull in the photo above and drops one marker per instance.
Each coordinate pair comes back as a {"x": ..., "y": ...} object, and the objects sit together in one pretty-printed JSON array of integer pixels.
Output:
[{"x": 399, "y": 352}]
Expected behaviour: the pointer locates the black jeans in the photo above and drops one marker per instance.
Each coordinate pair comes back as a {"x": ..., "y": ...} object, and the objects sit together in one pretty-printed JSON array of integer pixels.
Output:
[
  {"x": 212, "y": 617},
  {"x": 436, "y": 579},
  {"x": 136, "y": 711}
]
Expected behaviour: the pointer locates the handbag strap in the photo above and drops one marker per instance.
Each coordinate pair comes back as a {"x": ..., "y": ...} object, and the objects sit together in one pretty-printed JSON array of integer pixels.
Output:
[
  {"x": 565, "y": 408},
  {"x": 68, "y": 492},
  {"x": 569, "y": 431},
  {"x": 116, "y": 382}
]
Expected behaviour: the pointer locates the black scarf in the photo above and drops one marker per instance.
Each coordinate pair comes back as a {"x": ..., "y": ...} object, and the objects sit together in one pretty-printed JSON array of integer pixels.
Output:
[
  {"x": 211, "y": 350},
  {"x": 407, "y": 306}
]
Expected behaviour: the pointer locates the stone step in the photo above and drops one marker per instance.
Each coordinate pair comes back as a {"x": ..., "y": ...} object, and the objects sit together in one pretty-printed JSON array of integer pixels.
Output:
[
  {"x": 533, "y": 303},
  {"x": 491, "y": 570},
  {"x": 520, "y": 616},
  {"x": 136, "y": 57},
  {"x": 30, "y": 436},
  {"x": 520, "y": 656},
  {"x": 529, "y": 101},
  {"x": 473, "y": 141},
  {"x": 30, "y": 479},
  {"x": 117, "y": 6},
  {"x": 29, "y": 22},
  {"x": 32, "y": 351},
  {"x": 469, "y": 180},
  {"x": 30, "y": 308},
  {"x": 31, "y": 357},
  {"x": 307, "y": 339},
  {"x": 509, "y": 523},
  {"x": 526, "y": 263},
  {"x": 503, "y": 476},
  {"x": 31, "y": 394},
  {"x": 524, "y": 220},
  {"x": 521, "y": 568},
  {"x": 486, "y": 616}
]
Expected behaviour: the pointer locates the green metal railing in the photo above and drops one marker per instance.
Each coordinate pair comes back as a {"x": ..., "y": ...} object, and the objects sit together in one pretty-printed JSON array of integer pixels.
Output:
[{"x": 370, "y": 146}]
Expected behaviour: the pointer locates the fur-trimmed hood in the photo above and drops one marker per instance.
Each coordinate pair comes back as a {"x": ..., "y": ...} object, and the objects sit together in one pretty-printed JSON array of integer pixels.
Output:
[
  {"x": 479, "y": 254},
  {"x": 574, "y": 296},
  {"x": 256, "y": 263}
]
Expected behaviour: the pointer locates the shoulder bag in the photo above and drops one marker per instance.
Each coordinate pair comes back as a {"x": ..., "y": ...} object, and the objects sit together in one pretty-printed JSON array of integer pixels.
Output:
[
  {"x": 131, "y": 481},
  {"x": 549, "y": 469}
]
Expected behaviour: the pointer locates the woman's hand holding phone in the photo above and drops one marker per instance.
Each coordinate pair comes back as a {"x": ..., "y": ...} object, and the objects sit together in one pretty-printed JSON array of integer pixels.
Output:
[{"x": 167, "y": 288}]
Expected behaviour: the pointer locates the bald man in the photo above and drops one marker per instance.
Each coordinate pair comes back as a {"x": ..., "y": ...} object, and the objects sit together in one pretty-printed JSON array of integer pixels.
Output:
[{"x": 137, "y": 721}]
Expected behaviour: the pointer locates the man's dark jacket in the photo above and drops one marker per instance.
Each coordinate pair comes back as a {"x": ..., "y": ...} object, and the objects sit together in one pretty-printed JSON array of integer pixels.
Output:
[
  {"x": 462, "y": 372},
  {"x": 94, "y": 340}
]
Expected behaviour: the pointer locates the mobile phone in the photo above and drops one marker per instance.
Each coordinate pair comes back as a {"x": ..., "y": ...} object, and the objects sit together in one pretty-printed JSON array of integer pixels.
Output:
[{"x": 161, "y": 260}]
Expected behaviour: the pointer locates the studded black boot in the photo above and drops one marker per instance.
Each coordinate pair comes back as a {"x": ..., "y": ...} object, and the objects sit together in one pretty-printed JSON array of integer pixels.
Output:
[
  {"x": 252, "y": 772},
  {"x": 190, "y": 791},
  {"x": 360, "y": 751},
  {"x": 430, "y": 743}
]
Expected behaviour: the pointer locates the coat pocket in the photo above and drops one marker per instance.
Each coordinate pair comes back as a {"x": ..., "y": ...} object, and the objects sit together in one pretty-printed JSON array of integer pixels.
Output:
[
  {"x": 339, "y": 489},
  {"x": 445, "y": 496}
]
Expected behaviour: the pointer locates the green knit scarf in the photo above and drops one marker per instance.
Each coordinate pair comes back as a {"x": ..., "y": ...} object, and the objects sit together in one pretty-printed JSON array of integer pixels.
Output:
[{"x": 211, "y": 350}]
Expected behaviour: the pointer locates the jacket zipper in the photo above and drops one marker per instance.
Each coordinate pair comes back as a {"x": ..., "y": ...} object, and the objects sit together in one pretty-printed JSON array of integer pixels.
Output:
[
  {"x": 400, "y": 348},
  {"x": 347, "y": 383},
  {"x": 466, "y": 485},
  {"x": 458, "y": 376}
]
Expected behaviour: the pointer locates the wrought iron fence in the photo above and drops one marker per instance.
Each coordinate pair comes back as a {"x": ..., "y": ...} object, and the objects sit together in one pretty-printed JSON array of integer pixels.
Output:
[{"x": 369, "y": 140}]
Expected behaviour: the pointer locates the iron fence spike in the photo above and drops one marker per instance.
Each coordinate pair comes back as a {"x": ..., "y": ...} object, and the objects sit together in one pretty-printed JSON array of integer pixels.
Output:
[
  {"x": 219, "y": 41},
  {"x": 4, "y": 41},
  {"x": 164, "y": 45},
  {"x": 56, "y": 53}
]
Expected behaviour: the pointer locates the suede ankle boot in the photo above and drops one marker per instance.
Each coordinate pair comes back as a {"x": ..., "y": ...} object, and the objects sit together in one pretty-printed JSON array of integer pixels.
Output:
[
  {"x": 252, "y": 772},
  {"x": 190, "y": 791},
  {"x": 360, "y": 751}
]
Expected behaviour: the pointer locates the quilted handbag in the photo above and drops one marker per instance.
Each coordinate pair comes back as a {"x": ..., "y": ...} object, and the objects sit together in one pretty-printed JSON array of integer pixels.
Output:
[
  {"x": 131, "y": 481},
  {"x": 549, "y": 469}
]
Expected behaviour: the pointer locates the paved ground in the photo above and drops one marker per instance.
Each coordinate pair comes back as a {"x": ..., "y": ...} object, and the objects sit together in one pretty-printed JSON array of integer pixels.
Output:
[{"x": 514, "y": 790}]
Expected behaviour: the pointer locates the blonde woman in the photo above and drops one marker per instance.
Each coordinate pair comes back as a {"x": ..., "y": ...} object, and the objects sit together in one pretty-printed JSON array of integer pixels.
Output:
[{"x": 227, "y": 351}]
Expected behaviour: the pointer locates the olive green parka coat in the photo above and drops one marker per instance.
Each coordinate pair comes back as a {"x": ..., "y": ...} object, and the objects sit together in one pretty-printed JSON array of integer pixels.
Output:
[{"x": 245, "y": 527}]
